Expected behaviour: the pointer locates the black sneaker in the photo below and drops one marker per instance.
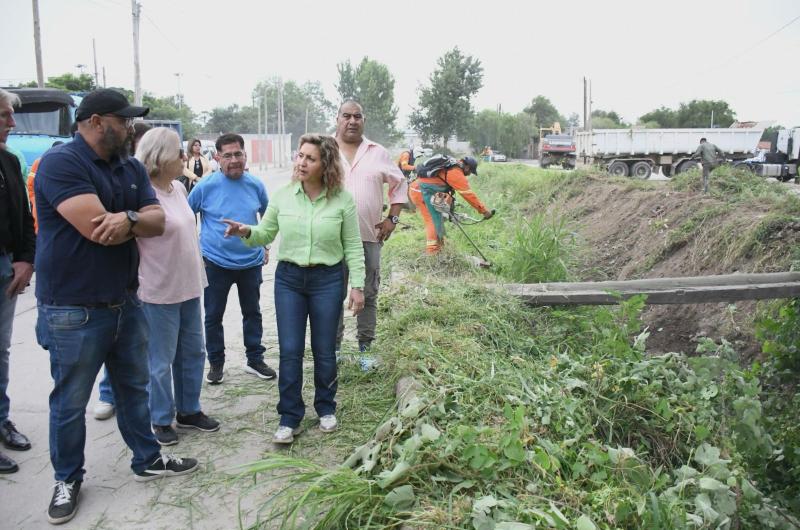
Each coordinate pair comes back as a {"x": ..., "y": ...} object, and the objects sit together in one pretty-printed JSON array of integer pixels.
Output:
[
  {"x": 64, "y": 503},
  {"x": 165, "y": 434},
  {"x": 214, "y": 375},
  {"x": 198, "y": 421},
  {"x": 260, "y": 369},
  {"x": 167, "y": 466}
]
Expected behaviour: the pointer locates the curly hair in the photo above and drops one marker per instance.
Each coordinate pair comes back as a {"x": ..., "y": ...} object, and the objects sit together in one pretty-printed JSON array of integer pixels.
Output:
[{"x": 332, "y": 172}]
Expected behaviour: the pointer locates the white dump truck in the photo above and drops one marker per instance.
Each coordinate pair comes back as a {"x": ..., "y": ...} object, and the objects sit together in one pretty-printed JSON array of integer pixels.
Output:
[
  {"x": 638, "y": 152},
  {"x": 781, "y": 160}
]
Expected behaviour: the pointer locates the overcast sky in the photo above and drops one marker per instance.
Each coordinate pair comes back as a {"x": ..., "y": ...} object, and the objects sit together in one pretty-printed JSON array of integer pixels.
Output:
[{"x": 639, "y": 54}]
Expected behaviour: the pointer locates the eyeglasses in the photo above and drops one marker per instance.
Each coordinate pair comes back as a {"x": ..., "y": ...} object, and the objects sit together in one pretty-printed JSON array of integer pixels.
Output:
[
  {"x": 128, "y": 122},
  {"x": 238, "y": 155}
]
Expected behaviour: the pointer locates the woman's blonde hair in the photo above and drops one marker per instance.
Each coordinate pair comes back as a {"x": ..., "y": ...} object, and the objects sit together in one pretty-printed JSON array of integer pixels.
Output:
[
  {"x": 332, "y": 172},
  {"x": 158, "y": 146}
]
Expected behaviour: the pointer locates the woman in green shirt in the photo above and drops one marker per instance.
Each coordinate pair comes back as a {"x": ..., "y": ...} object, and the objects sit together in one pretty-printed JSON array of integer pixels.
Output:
[{"x": 319, "y": 233}]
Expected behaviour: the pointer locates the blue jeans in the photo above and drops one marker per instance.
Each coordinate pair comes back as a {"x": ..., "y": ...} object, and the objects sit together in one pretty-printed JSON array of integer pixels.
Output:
[
  {"x": 177, "y": 358},
  {"x": 248, "y": 284},
  {"x": 303, "y": 294},
  {"x": 106, "y": 394},
  {"x": 7, "y": 306},
  {"x": 80, "y": 339}
]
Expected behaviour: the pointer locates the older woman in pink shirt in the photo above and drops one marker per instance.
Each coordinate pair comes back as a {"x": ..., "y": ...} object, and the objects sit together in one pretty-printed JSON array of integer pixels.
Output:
[{"x": 171, "y": 281}]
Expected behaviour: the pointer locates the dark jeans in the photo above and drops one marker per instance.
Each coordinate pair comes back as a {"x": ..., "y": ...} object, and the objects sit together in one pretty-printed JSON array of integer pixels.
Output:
[
  {"x": 248, "y": 284},
  {"x": 303, "y": 294},
  {"x": 80, "y": 339},
  {"x": 7, "y": 306},
  {"x": 367, "y": 319}
]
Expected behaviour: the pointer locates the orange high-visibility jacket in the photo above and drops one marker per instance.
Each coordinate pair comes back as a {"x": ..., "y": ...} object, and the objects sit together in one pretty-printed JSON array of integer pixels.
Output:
[{"x": 455, "y": 178}]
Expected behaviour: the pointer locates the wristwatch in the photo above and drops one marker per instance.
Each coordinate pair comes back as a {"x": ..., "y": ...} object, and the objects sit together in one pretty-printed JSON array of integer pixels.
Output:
[
  {"x": 394, "y": 219},
  {"x": 133, "y": 217}
]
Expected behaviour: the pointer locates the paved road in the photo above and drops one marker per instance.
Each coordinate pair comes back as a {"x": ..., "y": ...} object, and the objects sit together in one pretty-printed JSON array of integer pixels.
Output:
[{"x": 110, "y": 498}]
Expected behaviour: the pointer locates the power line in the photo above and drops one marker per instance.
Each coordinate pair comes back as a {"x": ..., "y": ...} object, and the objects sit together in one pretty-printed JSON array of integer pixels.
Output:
[{"x": 727, "y": 62}]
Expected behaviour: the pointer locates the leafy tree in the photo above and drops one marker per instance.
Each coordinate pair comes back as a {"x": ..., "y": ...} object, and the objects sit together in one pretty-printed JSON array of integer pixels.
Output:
[
  {"x": 508, "y": 133},
  {"x": 445, "y": 106},
  {"x": 372, "y": 85},
  {"x": 694, "y": 114},
  {"x": 68, "y": 82},
  {"x": 297, "y": 101},
  {"x": 697, "y": 113},
  {"x": 544, "y": 113},
  {"x": 663, "y": 116},
  {"x": 167, "y": 108},
  {"x": 231, "y": 119},
  {"x": 574, "y": 120},
  {"x": 607, "y": 120}
]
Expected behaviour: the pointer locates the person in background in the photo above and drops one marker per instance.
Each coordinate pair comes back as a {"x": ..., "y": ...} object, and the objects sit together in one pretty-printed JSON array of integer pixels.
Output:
[
  {"x": 231, "y": 192},
  {"x": 445, "y": 181},
  {"x": 93, "y": 200},
  {"x": 367, "y": 167},
  {"x": 31, "y": 195},
  {"x": 710, "y": 156},
  {"x": 17, "y": 249},
  {"x": 104, "y": 407},
  {"x": 196, "y": 166},
  {"x": 171, "y": 281},
  {"x": 317, "y": 220},
  {"x": 407, "y": 160}
]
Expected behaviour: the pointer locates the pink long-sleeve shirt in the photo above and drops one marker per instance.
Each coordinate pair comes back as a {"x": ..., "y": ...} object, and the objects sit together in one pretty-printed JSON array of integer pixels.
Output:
[{"x": 364, "y": 179}]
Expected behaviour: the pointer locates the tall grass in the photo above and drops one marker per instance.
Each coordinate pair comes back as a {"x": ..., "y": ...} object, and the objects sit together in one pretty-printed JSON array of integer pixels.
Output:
[{"x": 539, "y": 250}]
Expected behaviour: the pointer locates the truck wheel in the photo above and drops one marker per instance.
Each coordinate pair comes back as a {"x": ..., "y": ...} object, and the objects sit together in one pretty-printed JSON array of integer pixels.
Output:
[
  {"x": 666, "y": 171},
  {"x": 641, "y": 170},
  {"x": 618, "y": 169},
  {"x": 686, "y": 165}
]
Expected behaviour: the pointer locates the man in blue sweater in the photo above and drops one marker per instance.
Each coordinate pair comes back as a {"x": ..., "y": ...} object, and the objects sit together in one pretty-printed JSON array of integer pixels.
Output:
[{"x": 231, "y": 193}]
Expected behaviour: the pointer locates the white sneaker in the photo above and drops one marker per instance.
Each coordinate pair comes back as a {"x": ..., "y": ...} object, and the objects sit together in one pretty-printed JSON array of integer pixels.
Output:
[
  {"x": 285, "y": 435},
  {"x": 328, "y": 423},
  {"x": 103, "y": 410}
]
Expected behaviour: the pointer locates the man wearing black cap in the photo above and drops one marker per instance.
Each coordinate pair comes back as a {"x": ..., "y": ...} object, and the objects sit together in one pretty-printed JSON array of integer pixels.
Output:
[{"x": 92, "y": 201}]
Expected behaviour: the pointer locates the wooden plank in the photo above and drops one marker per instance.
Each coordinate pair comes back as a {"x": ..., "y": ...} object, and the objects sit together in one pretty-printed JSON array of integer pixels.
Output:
[{"x": 687, "y": 290}]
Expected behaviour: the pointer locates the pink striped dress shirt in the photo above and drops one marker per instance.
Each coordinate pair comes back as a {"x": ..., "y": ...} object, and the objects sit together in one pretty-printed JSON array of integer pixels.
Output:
[{"x": 364, "y": 179}]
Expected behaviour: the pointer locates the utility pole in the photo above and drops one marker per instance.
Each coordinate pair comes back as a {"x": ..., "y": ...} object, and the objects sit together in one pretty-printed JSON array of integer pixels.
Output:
[
  {"x": 306, "y": 130},
  {"x": 179, "y": 96},
  {"x": 266, "y": 126},
  {"x": 585, "y": 105},
  {"x": 712, "y": 118},
  {"x": 136, "y": 10},
  {"x": 104, "y": 77},
  {"x": 258, "y": 135},
  {"x": 94, "y": 53},
  {"x": 37, "y": 40}
]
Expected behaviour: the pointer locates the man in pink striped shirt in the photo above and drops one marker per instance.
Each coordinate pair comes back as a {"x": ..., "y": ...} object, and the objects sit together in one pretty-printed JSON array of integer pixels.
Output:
[{"x": 368, "y": 166}]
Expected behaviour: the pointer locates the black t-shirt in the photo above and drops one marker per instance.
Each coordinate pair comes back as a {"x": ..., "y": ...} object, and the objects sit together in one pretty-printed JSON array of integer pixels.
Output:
[
  {"x": 6, "y": 233},
  {"x": 71, "y": 269},
  {"x": 198, "y": 168}
]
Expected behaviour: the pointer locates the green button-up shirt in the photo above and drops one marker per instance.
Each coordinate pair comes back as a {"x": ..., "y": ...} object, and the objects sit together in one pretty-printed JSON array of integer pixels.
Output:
[
  {"x": 319, "y": 232},
  {"x": 708, "y": 152}
]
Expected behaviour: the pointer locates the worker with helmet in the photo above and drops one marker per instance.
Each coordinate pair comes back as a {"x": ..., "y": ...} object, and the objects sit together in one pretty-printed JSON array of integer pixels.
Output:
[
  {"x": 407, "y": 160},
  {"x": 447, "y": 179}
]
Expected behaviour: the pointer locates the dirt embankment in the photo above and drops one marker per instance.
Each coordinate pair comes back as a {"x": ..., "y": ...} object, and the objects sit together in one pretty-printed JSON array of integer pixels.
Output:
[{"x": 658, "y": 232}]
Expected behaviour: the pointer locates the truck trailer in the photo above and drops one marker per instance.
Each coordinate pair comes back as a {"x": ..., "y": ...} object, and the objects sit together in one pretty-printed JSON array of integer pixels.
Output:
[
  {"x": 45, "y": 116},
  {"x": 638, "y": 152}
]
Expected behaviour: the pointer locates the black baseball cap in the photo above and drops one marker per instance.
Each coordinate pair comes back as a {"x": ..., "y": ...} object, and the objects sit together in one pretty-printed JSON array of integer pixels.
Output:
[
  {"x": 472, "y": 163},
  {"x": 107, "y": 101}
]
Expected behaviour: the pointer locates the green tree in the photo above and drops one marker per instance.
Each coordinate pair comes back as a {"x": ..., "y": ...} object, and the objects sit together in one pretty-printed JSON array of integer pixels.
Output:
[
  {"x": 544, "y": 113},
  {"x": 68, "y": 82},
  {"x": 445, "y": 106},
  {"x": 607, "y": 120},
  {"x": 231, "y": 119},
  {"x": 694, "y": 114},
  {"x": 508, "y": 133},
  {"x": 167, "y": 108},
  {"x": 299, "y": 101},
  {"x": 372, "y": 85},
  {"x": 665, "y": 118}
]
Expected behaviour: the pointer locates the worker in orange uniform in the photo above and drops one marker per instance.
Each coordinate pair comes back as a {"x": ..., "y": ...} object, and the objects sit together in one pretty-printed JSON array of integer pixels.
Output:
[
  {"x": 446, "y": 180},
  {"x": 407, "y": 160}
]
